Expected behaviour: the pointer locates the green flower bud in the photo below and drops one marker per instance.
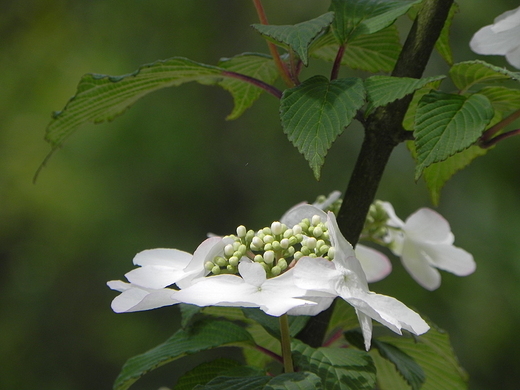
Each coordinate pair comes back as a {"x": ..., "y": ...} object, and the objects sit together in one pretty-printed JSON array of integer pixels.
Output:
[
  {"x": 317, "y": 231},
  {"x": 297, "y": 229},
  {"x": 268, "y": 239},
  {"x": 231, "y": 269},
  {"x": 331, "y": 252},
  {"x": 324, "y": 249},
  {"x": 257, "y": 242},
  {"x": 269, "y": 257},
  {"x": 208, "y": 265},
  {"x": 326, "y": 236},
  {"x": 236, "y": 245},
  {"x": 259, "y": 258},
  {"x": 220, "y": 261},
  {"x": 241, "y": 231},
  {"x": 316, "y": 219},
  {"x": 266, "y": 230},
  {"x": 276, "y": 246},
  {"x": 282, "y": 263},
  {"x": 268, "y": 247},
  {"x": 305, "y": 251},
  {"x": 233, "y": 261},
  {"x": 310, "y": 243},
  {"x": 297, "y": 255},
  {"x": 284, "y": 243},
  {"x": 288, "y": 233},
  {"x": 289, "y": 251},
  {"x": 276, "y": 270},
  {"x": 254, "y": 248},
  {"x": 249, "y": 235},
  {"x": 215, "y": 270}
]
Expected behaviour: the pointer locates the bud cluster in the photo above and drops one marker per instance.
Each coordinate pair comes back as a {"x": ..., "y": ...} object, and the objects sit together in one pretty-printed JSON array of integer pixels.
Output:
[
  {"x": 376, "y": 222},
  {"x": 276, "y": 247}
]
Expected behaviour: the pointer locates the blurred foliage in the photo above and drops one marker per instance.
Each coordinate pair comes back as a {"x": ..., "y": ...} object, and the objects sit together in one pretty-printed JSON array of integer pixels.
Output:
[{"x": 172, "y": 169}]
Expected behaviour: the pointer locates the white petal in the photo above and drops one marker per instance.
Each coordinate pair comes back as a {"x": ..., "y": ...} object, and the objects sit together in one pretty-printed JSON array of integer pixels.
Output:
[
  {"x": 252, "y": 273},
  {"x": 365, "y": 322},
  {"x": 450, "y": 258},
  {"x": 137, "y": 299},
  {"x": 375, "y": 264},
  {"x": 166, "y": 257},
  {"x": 513, "y": 56},
  {"x": 299, "y": 212},
  {"x": 206, "y": 251},
  {"x": 333, "y": 196},
  {"x": 390, "y": 312},
  {"x": 506, "y": 21},
  {"x": 316, "y": 274},
  {"x": 428, "y": 225},
  {"x": 418, "y": 266},
  {"x": 393, "y": 219},
  {"x": 322, "y": 303},
  {"x": 118, "y": 285},
  {"x": 154, "y": 277}
]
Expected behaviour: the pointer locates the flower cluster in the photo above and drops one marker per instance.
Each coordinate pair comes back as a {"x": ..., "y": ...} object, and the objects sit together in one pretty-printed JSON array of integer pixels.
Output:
[{"x": 296, "y": 266}]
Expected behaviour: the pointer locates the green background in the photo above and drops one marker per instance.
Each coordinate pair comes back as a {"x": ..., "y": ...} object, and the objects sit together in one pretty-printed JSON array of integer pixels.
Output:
[{"x": 172, "y": 169}]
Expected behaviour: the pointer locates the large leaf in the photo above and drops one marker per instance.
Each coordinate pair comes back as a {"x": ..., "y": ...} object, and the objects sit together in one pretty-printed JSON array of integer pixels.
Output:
[
  {"x": 382, "y": 90},
  {"x": 433, "y": 352},
  {"x": 317, "y": 111},
  {"x": 409, "y": 117},
  {"x": 377, "y": 52},
  {"x": 466, "y": 74},
  {"x": 338, "y": 368},
  {"x": 101, "y": 98},
  {"x": 259, "y": 66},
  {"x": 205, "y": 372},
  {"x": 290, "y": 381},
  {"x": 299, "y": 36},
  {"x": 446, "y": 124},
  {"x": 201, "y": 336},
  {"x": 411, "y": 372},
  {"x": 436, "y": 175},
  {"x": 502, "y": 99},
  {"x": 358, "y": 17}
]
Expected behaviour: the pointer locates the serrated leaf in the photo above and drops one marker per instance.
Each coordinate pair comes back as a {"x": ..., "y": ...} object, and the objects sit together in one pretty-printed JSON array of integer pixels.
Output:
[
  {"x": 382, "y": 90},
  {"x": 316, "y": 112},
  {"x": 433, "y": 352},
  {"x": 436, "y": 175},
  {"x": 200, "y": 336},
  {"x": 272, "y": 324},
  {"x": 299, "y": 36},
  {"x": 446, "y": 124},
  {"x": 259, "y": 66},
  {"x": 443, "y": 42},
  {"x": 338, "y": 368},
  {"x": 377, "y": 52},
  {"x": 289, "y": 381},
  {"x": 358, "y": 17},
  {"x": 502, "y": 99},
  {"x": 411, "y": 372},
  {"x": 187, "y": 313},
  {"x": 409, "y": 117},
  {"x": 466, "y": 74},
  {"x": 205, "y": 372},
  {"x": 101, "y": 98}
]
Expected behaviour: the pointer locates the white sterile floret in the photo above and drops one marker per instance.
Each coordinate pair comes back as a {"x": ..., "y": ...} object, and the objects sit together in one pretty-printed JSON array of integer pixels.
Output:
[
  {"x": 345, "y": 278},
  {"x": 500, "y": 38},
  {"x": 425, "y": 242},
  {"x": 275, "y": 296}
]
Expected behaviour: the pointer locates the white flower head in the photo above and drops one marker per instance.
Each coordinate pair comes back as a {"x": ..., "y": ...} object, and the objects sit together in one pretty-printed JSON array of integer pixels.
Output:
[
  {"x": 500, "y": 38},
  {"x": 425, "y": 242},
  {"x": 344, "y": 277}
]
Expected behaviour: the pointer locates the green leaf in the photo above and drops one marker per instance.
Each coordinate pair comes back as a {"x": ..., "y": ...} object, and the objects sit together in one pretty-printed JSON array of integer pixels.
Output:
[
  {"x": 101, "y": 98},
  {"x": 201, "y": 336},
  {"x": 188, "y": 312},
  {"x": 297, "y": 37},
  {"x": 443, "y": 42},
  {"x": 409, "y": 117},
  {"x": 205, "y": 372},
  {"x": 317, "y": 111},
  {"x": 259, "y": 66},
  {"x": 343, "y": 317},
  {"x": 404, "y": 364},
  {"x": 502, "y": 99},
  {"x": 446, "y": 124},
  {"x": 338, "y": 368},
  {"x": 358, "y": 17},
  {"x": 433, "y": 352},
  {"x": 375, "y": 52},
  {"x": 467, "y": 74},
  {"x": 290, "y": 381},
  {"x": 382, "y": 90},
  {"x": 436, "y": 175}
]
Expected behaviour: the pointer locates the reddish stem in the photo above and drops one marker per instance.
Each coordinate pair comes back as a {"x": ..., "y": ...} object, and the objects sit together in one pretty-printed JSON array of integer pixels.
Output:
[
  {"x": 269, "y": 353},
  {"x": 493, "y": 141},
  {"x": 337, "y": 63},
  {"x": 258, "y": 83},
  {"x": 486, "y": 136},
  {"x": 335, "y": 336},
  {"x": 282, "y": 69}
]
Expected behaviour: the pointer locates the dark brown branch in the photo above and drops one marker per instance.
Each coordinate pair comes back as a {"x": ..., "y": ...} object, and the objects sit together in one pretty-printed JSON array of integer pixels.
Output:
[{"x": 383, "y": 132}]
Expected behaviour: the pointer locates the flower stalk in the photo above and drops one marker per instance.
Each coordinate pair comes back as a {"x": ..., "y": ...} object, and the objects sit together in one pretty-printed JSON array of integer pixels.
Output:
[{"x": 286, "y": 344}]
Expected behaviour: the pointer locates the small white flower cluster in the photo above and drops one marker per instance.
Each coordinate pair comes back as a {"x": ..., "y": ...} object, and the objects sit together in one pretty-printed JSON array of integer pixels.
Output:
[{"x": 299, "y": 270}]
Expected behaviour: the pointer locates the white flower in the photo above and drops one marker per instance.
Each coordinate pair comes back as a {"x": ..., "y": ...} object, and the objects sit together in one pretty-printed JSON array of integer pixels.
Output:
[
  {"x": 502, "y": 37},
  {"x": 375, "y": 264},
  {"x": 158, "y": 269},
  {"x": 275, "y": 296},
  {"x": 425, "y": 242},
  {"x": 344, "y": 277}
]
